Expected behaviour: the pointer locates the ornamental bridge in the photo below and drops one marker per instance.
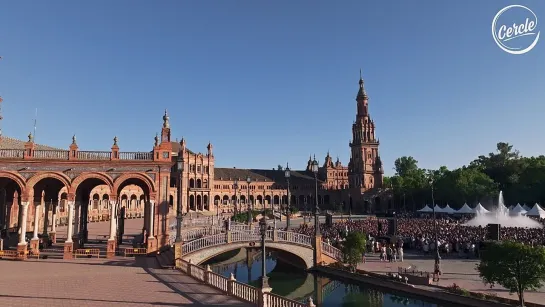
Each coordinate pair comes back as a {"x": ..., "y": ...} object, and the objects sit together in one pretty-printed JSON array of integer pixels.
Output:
[{"x": 309, "y": 250}]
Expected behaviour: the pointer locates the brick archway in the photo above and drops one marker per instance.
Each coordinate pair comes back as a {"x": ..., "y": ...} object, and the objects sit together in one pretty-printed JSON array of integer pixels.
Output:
[
  {"x": 100, "y": 176},
  {"x": 144, "y": 178},
  {"x": 15, "y": 177},
  {"x": 59, "y": 176}
]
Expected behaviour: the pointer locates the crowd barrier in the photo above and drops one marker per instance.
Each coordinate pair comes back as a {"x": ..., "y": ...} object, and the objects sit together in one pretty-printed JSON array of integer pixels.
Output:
[
  {"x": 9, "y": 254},
  {"x": 132, "y": 252},
  {"x": 87, "y": 252}
]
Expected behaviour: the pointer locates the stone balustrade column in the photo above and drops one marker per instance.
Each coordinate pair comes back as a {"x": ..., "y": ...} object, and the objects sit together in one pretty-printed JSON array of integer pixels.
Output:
[
  {"x": 24, "y": 217},
  {"x": 230, "y": 282},
  {"x": 69, "y": 244},
  {"x": 36, "y": 221},
  {"x": 35, "y": 241},
  {"x": 152, "y": 242},
  {"x": 207, "y": 274},
  {"x": 53, "y": 232},
  {"x": 23, "y": 213},
  {"x": 70, "y": 205},
  {"x": 110, "y": 248},
  {"x": 77, "y": 207}
]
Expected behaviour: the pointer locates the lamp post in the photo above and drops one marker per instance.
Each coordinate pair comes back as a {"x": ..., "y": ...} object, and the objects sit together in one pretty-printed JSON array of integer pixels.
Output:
[
  {"x": 236, "y": 197},
  {"x": 179, "y": 217},
  {"x": 263, "y": 232},
  {"x": 316, "y": 217},
  {"x": 437, "y": 267},
  {"x": 287, "y": 174},
  {"x": 250, "y": 218}
]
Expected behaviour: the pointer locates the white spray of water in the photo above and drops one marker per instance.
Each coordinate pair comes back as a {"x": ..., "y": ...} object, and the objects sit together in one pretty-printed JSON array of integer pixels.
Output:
[{"x": 501, "y": 216}]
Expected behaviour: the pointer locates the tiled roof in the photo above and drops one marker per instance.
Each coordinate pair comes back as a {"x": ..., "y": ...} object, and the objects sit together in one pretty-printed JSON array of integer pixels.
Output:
[
  {"x": 262, "y": 175},
  {"x": 11, "y": 143}
]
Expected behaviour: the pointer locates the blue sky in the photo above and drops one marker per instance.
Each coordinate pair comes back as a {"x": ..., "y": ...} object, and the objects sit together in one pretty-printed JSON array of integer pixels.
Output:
[{"x": 271, "y": 82}]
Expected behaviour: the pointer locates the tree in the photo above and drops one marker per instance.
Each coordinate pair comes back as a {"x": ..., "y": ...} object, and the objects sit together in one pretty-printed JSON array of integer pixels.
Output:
[
  {"x": 354, "y": 248},
  {"x": 514, "y": 266}
]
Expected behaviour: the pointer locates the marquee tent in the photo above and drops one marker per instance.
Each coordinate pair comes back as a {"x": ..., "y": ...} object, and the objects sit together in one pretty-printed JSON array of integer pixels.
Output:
[
  {"x": 439, "y": 209},
  {"x": 465, "y": 210},
  {"x": 518, "y": 210},
  {"x": 449, "y": 210},
  {"x": 536, "y": 211},
  {"x": 525, "y": 207},
  {"x": 479, "y": 209},
  {"x": 426, "y": 209}
]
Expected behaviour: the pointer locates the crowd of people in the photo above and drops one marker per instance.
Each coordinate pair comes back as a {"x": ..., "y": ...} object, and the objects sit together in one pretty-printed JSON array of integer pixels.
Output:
[{"x": 418, "y": 233}]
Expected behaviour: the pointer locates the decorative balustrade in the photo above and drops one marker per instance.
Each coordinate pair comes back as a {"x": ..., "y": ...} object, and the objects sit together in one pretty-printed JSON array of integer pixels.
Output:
[
  {"x": 12, "y": 153},
  {"x": 193, "y": 234},
  {"x": 277, "y": 300},
  {"x": 332, "y": 252},
  {"x": 94, "y": 155},
  {"x": 237, "y": 289},
  {"x": 245, "y": 236},
  {"x": 136, "y": 156},
  {"x": 295, "y": 238},
  {"x": 51, "y": 154},
  {"x": 203, "y": 243}
]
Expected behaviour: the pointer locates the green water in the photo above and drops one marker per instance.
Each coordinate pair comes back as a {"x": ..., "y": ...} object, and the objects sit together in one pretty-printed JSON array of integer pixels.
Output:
[{"x": 297, "y": 284}]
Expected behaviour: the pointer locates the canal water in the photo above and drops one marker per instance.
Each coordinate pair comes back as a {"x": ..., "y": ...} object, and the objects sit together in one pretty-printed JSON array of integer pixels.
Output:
[{"x": 297, "y": 284}]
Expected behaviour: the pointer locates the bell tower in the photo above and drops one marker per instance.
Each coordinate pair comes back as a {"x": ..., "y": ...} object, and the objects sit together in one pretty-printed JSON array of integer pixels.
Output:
[{"x": 365, "y": 167}]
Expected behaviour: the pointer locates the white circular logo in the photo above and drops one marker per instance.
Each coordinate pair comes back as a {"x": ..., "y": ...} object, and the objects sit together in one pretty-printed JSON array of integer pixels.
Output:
[{"x": 514, "y": 29}]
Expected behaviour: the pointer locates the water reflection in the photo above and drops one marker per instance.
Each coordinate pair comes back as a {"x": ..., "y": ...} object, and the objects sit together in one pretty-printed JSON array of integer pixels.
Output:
[{"x": 297, "y": 284}]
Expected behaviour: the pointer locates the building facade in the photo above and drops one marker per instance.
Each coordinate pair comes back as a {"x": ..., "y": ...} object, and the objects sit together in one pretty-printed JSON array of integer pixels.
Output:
[{"x": 204, "y": 188}]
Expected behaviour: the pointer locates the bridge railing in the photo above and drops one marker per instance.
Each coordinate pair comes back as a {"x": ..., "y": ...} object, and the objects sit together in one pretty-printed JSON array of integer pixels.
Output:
[
  {"x": 205, "y": 242},
  {"x": 294, "y": 237},
  {"x": 332, "y": 252},
  {"x": 238, "y": 289},
  {"x": 193, "y": 234}
]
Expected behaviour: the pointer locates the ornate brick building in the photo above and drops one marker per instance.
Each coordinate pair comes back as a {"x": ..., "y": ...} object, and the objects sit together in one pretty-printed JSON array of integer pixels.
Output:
[{"x": 137, "y": 180}]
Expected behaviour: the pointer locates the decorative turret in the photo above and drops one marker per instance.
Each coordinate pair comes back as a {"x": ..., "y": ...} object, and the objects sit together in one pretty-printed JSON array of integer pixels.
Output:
[
  {"x": 165, "y": 131},
  {"x": 309, "y": 164},
  {"x": 166, "y": 118},
  {"x": 338, "y": 162},
  {"x": 115, "y": 150},
  {"x": 183, "y": 144},
  {"x": 328, "y": 163},
  {"x": 156, "y": 139}
]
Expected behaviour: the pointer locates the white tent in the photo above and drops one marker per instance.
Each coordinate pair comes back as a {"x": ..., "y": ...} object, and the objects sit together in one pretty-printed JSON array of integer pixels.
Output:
[
  {"x": 479, "y": 209},
  {"x": 511, "y": 207},
  {"x": 426, "y": 209},
  {"x": 465, "y": 210},
  {"x": 449, "y": 210},
  {"x": 518, "y": 210},
  {"x": 439, "y": 209},
  {"x": 525, "y": 207},
  {"x": 536, "y": 211}
]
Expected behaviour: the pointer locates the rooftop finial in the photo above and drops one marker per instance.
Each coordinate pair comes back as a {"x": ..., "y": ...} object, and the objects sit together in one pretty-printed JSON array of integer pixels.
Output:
[
  {"x": 156, "y": 138},
  {"x": 30, "y": 137},
  {"x": 361, "y": 78},
  {"x": 115, "y": 140},
  {"x": 74, "y": 139},
  {"x": 166, "y": 123}
]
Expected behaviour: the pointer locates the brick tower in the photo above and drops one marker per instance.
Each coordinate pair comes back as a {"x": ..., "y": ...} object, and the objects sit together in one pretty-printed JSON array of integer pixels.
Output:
[{"x": 365, "y": 167}]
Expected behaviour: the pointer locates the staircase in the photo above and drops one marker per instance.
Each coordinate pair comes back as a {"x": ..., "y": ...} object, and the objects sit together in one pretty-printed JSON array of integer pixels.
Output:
[{"x": 165, "y": 257}]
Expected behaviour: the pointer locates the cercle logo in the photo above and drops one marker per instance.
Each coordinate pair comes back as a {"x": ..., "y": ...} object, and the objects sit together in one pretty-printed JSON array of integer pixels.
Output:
[{"x": 514, "y": 29}]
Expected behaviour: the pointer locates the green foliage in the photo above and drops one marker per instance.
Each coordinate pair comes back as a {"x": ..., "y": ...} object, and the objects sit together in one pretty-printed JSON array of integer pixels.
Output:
[
  {"x": 242, "y": 217},
  {"x": 514, "y": 266},
  {"x": 353, "y": 248},
  {"x": 521, "y": 178}
]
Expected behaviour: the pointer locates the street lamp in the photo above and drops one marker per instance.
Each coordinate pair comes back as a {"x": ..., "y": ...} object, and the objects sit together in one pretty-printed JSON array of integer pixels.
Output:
[
  {"x": 316, "y": 217},
  {"x": 179, "y": 217},
  {"x": 437, "y": 267},
  {"x": 248, "y": 181},
  {"x": 287, "y": 174},
  {"x": 236, "y": 197},
  {"x": 263, "y": 232}
]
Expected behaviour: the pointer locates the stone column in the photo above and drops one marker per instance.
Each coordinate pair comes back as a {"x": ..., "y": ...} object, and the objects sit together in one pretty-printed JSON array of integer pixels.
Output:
[
  {"x": 53, "y": 232},
  {"x": 23, "y": 213},
  {"x": 69, "y": 244},
  {"x": 76, "y": 219},
  {"x": 110, "y": 252},
  {"x": 152, "y": 244},
  {"x": 46, "y": 221},
  {"x": 35, "y": 241}
]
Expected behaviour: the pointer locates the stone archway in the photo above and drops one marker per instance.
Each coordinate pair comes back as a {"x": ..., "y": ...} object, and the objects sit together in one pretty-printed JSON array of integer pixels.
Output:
[{"x": 12, "y": 186}]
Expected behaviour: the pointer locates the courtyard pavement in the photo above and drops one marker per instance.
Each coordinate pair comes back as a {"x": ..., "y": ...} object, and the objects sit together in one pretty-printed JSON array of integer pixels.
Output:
[
  {"x": 101, "y": 282},
  {"x": 455, "y": 270}
]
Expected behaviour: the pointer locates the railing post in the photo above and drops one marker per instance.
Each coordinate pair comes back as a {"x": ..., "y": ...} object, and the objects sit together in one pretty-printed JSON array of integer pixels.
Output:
[
  {"x": 262, "y": 299},
  {"x": 229, "y": 237},
  {"x": 189, "y": 267},
  {"x": 275, "y": 235},
  {"x": 207, "y": 274},
  {"x": 177, "y": 254},
  {"x": 310, "y": 303},
  {"x": 230, "y": 283},
  {"x": 73, "y": 150}
]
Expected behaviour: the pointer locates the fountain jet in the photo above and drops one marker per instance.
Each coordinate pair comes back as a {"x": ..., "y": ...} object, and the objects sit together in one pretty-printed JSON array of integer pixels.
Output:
[{"x": 501, "y": 216}]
